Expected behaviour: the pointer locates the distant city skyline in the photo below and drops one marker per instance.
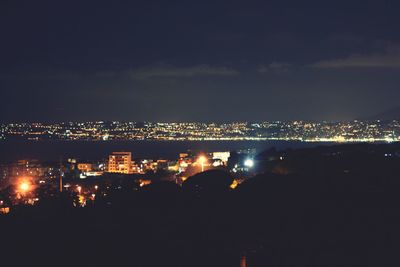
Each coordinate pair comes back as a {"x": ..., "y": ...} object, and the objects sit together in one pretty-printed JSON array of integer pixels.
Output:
[{"x": 308, "y": 131}]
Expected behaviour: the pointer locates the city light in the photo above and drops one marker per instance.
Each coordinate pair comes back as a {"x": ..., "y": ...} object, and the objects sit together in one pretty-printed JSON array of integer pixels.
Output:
[
  {"x": 249, "y": 163},
  {"x": 202, "y": 160},
  {"x": 234, "y": 184},
  {"x": 304, "y": 131},
  {"x": 24, "y": 186}
]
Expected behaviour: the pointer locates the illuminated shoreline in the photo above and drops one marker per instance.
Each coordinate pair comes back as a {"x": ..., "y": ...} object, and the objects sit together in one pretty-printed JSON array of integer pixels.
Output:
[
  {"x": 303, "y": 131},
  {"x": 239, "y": 139}
]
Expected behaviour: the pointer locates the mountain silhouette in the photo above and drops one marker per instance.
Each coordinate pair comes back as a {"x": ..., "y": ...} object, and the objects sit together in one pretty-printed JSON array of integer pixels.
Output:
[{"x": 390, "y": 114}]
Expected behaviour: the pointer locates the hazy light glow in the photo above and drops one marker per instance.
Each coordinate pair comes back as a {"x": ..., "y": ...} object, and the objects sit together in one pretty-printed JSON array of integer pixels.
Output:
[
  {"x": 249, "y": 163},
  {"x": 234, "y": 184},
  {"x": 202, "y": 160},
  {"x": 24, "y": 186}
]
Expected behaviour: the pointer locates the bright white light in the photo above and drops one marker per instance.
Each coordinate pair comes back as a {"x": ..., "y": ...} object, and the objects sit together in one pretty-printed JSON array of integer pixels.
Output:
[
  {"x": 217, "y": 163},
  {"x": 249, "y": 163}
]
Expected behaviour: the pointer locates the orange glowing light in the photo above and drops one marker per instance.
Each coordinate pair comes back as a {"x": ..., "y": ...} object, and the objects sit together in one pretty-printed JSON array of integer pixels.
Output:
[
  {"x": 5, "y": 210},
  {"x": 202, "y": 159},
  {"x": 144, "y": 182},
  {"x": 234, "y": 184},
  {"x": 82, "y": 200},
  {"x": 24, "y": 186}
]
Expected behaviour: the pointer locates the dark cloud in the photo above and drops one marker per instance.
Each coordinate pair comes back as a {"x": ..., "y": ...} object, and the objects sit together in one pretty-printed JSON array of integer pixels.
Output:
[
  {"x": 203, "y": 60},
  {"x": 41, "y": 76},
  {"x": 177, "y": 72},
  {"x": 390, "y": 58},
  {"x": 276, "y": 67}
]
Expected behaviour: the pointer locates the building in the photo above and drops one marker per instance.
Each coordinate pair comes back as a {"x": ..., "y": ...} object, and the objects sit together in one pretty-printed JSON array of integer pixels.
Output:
[
  {"x": 85, "y": 167},
  {"x": 120, "y": 162},
  {"x": 162, "y": 164},
  {"x": 223, "y": 156},
  {"x": 183, "y": 155}
]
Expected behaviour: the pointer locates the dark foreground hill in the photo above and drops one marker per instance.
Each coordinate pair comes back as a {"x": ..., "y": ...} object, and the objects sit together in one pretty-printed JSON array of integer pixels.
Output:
[{"x": 337, "y": 206}]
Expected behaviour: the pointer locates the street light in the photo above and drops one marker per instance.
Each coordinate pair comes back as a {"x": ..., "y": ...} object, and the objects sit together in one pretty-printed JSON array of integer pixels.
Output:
[
  {"x": 24, "y": 187},
  {"x": 202, "y": 160},
  {"x": 249, "y": 163}
]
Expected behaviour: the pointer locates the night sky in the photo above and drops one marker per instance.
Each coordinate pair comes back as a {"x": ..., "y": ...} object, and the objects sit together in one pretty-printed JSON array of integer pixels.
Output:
[{"x": 198, "y": 60}]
